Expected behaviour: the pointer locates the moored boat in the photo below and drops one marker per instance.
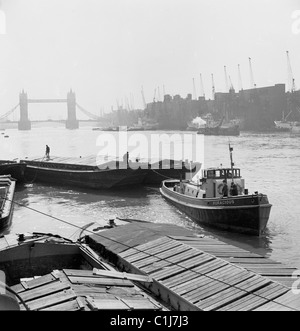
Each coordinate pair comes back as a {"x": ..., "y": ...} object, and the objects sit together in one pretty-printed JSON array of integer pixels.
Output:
[
  {"x": 13, "y": 168},
  {"x": 85, "y": 173},
  {"x": 206, "y": 201},
  {"x": 229, "y": 129},
  {"x": 48, "y": 272},
  {"x": 7, "y": 192},
  {"x": 295, "y": 129}
]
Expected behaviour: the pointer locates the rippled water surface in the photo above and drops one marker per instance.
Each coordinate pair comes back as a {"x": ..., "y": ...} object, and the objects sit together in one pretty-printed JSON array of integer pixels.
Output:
[{"x": 269, "y": 164}]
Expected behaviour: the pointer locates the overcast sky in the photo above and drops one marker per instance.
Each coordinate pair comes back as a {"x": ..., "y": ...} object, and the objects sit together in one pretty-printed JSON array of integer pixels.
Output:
[{"x": 106, "y": 50}]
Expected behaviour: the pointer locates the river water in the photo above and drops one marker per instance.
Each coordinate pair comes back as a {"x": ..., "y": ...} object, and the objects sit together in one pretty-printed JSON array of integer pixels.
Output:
[{"x": 269, "y": 164}]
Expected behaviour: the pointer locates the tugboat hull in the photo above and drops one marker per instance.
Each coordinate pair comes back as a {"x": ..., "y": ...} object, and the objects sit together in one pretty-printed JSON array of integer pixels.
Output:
[{"x": 247, "y": 214}]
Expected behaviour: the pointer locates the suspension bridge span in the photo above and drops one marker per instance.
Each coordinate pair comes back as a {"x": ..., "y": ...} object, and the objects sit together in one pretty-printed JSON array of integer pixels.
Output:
[{"x": 71, "y": 122}]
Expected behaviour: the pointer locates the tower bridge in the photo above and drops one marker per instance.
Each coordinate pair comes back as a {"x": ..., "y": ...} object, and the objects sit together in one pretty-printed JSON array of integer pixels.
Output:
[{"x": 71, "y": 122}]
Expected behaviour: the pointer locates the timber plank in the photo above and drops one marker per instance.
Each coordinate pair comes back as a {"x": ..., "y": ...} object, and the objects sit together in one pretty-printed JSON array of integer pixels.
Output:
[
  {"x": 269, "y": 289},
  {"x": 148, "y": 245},
  {"x": 169, "y": 249},
  {"x": 147, "y": 261},
  {"x": 245, "y": 262},
  {"x": 106, "y": 304},
  {"x": 243, "y": 303},
  {"x": 44, "y": 290},
  {"x": 156, "y": 266},
  {"x": 273, "y": 272},
  {"x": 239, "y": 278},
  {"x": 196, "y": 261},
  {"x": 181, "y": 278},
  {"x": 66, "y": 306},
  {"x": 206, "y": 291},
  {"x": 221, "y": 299},
  {"x": 167, "y": 272},
  {"x": 286, "y": 281},
  {"x": 273, "y": 306},
  {"x": 100, "y": 281},
  {"x": 254, "y": 283},
  {"x": 122, "y": 275},
  {"x": 172, "y": 252},
  {"x": 252, "y": 304},
  {"x": 225, "y": 270},
  {"x": 266, "y": 266},
  {"x": 190, "y": 286},
  {"x": 290, "y": 300},
  {"x": 18, "y": 288},
  {"x": 210, "y": 266},
  {"x": 140, "y": 304},
  {"x": 79, "y": 273},
  {"x": 152, "y": 251},
  {"x": 138, "y": 256},
  {"x": 38, "y": 281},
  {"x": 186, "y": 255},
  {"x": 51, "y": 300}
]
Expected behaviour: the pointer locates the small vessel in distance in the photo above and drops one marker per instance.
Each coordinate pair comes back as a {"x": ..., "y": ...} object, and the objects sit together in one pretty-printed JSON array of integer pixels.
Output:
[
  {"x": 230, "y": 129},
  {"x": 295, "y": 129},
  {"x": 206, "y": 204}
]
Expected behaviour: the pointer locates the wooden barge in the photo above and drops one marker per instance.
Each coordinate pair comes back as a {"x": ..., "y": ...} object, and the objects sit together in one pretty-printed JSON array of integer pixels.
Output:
[
  {"x": 13, "y": 168},
  {"x": 192, "y": 273},
  {"x": 88, "y": 172},
  {"x": 44, "y": 272},
  {"x": 7, "y": 193}
]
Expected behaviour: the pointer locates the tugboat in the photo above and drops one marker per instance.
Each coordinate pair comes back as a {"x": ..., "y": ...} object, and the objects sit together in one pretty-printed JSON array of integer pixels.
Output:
[{"x": 219, "y": 199}]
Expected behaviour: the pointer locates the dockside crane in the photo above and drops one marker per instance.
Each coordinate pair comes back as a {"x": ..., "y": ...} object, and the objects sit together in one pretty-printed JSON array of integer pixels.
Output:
[
  {"x": 159, "y": 96},
  {"x": 291, "y": 79},
  {"x": 226, "y": 79},
  {"x": 154, "y": 97},
  {"x": 253, "y": 85},
  {"x": 202, "y": 93},
  {"x": 194, "y": 87},
  {"x": 143, "y": 97},
  {"x": 213, "y": 87},
  {"x": 231, "y": 85},
  {"x": 240, "y": 79}
]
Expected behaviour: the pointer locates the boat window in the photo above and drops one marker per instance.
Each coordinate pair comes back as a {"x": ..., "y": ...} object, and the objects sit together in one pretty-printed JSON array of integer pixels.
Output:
[
  {"x": 222, "y": 173},
  {"x": 211, "y": 174}
]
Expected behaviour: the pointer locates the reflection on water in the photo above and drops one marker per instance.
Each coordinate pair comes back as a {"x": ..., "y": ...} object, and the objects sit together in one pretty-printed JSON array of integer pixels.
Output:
[{"x": 269, "y": 164}]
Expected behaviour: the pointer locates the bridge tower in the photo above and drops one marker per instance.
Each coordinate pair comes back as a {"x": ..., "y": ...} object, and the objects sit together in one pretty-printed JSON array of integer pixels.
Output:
[
  {"x": 24, "y": 123},
  {"x": 72, "y": 122}
]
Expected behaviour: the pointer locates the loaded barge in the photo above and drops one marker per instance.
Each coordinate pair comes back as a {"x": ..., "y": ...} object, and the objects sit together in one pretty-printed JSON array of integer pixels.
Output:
[{"x": 88, "y": 172}]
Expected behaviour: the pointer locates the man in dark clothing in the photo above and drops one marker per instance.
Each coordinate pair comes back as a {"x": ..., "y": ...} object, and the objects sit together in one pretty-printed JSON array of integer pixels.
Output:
[
  {"x": 225, "y": 188},
  {"x": 234, "y": 190},
  {"x": 126, "y": 158},
  {"x": 47, "y": 152}
]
